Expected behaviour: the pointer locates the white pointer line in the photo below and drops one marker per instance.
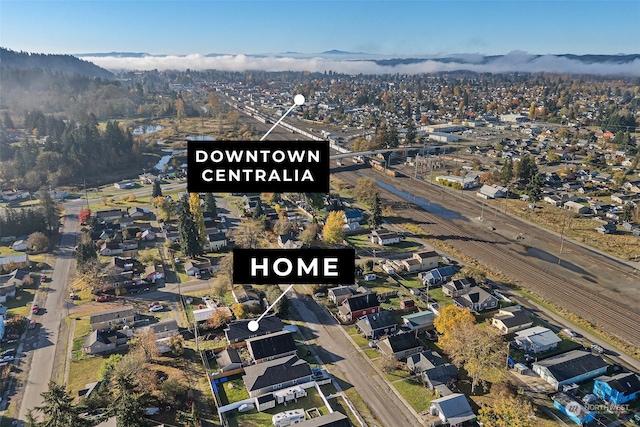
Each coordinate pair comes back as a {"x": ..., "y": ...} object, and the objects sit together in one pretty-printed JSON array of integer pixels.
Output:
[
  {"x": 254, "y": 325},
  {"x": 297, "y": 101}
]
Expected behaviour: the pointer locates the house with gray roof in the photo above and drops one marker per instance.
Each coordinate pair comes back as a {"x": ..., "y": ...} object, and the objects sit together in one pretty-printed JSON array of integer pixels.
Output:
[
  {"x": 537, "y": 339},
  {"x": 108, "y": 318},
  {"x": 276, "y": 374},
  {"x": 238, "y": 331},
  {"x": 339, "y": 294},
  {"x": 228, "y": 360},
  {"x": 477, "y": 300},
  {"x": 453, "y": 409},
  {"x": 400, "y": 346}
]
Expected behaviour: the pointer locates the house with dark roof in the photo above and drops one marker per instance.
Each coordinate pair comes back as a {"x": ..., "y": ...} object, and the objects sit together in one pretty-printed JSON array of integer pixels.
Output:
[
  {"x": 428, "y": 259},
  {"x": 425, "y": 360},
  {"x": 619, "y": 389},
  {"x": 376, "y": 325},
  {"x": 457, "y": 287},
  {"x": 228, "y": 360},
  {"x": 109, "y": 215},
  {"x": 477, "y": 300},
  {"x": 246, "y": 294},
  {"x": 572, "y": 367},
  {"x": 511, "y": 319},
  {"x": 238, "y": 331},
  {"x": 400, "y": 346},
  {"x": 384, "y": 237},
  {"x": 9, "y": 283},
  {"x": 453, "y": 409},
  {"x": 436, "y": 373},
  {"x": 334, "y": 419},
  {"x": 276, "y": 374},
  {"x": 216, "y": 241},
  {"x": 339, "y": 294},
  {"x": 194, "y": 267},
  {"x": 103, "y": 341},
  {"x": 271, "y": 346},
  {"x": 438, "y": 276},
  {"x": 356, "y": 306}
]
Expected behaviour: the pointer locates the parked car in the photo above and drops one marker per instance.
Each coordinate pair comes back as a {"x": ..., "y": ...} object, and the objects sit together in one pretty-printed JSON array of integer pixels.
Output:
[
  {"x": 156, "y": 308},
  {"x": 8, "y": 352},
  {"x": 570, "y": 332},
  {"x": 155, "y": 303},
  {"x": 35, "y": 309},
  {"x": 245, "y": 407},
  {"x": 103, "y": 298},
  {"x": 151, "y": 411},
  {"x": 319, "y": 295},
  {"x": 7, "y": 358},
  {"x": 32, "y": 324},
  {"x": 43, "y": 278}
]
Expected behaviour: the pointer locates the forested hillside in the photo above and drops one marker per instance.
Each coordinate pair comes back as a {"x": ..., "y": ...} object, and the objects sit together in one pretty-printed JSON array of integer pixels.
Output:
[{"x": 60, "y": 84}]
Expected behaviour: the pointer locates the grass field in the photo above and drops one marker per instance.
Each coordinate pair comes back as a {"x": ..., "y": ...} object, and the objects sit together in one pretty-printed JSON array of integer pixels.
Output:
[
  {"x": 414, "y": 392},
  {"x": 21, "y": 304}
]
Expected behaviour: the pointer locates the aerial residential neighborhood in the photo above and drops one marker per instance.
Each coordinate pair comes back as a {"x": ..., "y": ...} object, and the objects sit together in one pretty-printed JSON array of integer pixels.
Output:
[{"x": 488, "y": 204}]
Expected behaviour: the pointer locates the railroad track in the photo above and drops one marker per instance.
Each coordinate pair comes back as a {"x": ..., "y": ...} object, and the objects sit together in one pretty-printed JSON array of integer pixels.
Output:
[{"x": 607, "y": 314}]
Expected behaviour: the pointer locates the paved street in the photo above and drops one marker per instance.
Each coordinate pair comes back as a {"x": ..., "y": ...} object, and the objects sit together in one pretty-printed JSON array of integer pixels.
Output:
[
  {"x": 52, "y": 314},
  {"x": 344, "y": 361}
]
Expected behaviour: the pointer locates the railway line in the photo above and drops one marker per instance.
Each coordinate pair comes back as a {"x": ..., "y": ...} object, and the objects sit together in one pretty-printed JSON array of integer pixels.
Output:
[{"x": 612, "y": 316}]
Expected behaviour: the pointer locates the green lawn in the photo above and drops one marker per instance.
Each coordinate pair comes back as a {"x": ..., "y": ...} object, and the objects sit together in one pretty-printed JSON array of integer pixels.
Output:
[
  {"x": 372, "y": 353},
  {"x": 21, "y": 304},
  {"x": 418, "y": 396},
  {"x": 360, "y": 340},
  {"x": 82, "y": 372},
  {"x": 232, "y": 390}
]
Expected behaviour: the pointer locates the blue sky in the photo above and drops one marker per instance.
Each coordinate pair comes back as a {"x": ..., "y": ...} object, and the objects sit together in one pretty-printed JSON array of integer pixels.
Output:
[{"x": 402, "y": 28}]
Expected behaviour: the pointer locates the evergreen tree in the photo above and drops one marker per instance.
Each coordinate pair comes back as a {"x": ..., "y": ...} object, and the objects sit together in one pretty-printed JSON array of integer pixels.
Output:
[
  {"x": 526, "y": 169},
  {"x": 411, "y": 132},
  {"x": 188, "y": 230},
  {"x": 86, "y": 253},
  {"x": 127, "y": 406},
  {"x": 375, "y": 220},
  {"x": 627, "y": 212},
  {"x": 157, "y": 190},
  {"x": 210, "y": 204},
  {"x": 51, "y": 210},
  {"x": 506, "y": 174},
  {"x": 58, "y": 408}
]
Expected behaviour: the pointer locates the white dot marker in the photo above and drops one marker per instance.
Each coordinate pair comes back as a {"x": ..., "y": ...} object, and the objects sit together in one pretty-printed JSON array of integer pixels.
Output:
[
  {"x": 253, "y": 325},
  {"x": 298, "y": 99}
]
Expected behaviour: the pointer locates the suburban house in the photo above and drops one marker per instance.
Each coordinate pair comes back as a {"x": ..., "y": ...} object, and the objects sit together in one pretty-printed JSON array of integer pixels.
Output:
[
  {"x": 438, "y": 276},
  {"x": 147, "y": 235},
  {"x": 228, "y": 360},
  {"x": 288, "y": 241},
  {"x": 428, "y": 259},
  {"x": 351, "y": 216},
  {"x": 376, "y": 325},
  {"x": 492, "y": 192},
  {"x": 619, "y": 389},
  {"x": 572, "y": 367},
  {"x": 116, "y": 317},
  {"x": 195, "y": 267},
  {"x": 356, "y": 306},
  {"x": 11, "y": 262},
  {"x": 276, "y": 374},
  {"x": 537, "y": 339},
  {"x": 573, "y": 409},
  {"x": 453, "y": 409},
  {"x": 400, "y": 346},
  {"x": 425, "y": 360},
  {"x": 111, "y": 249},
  {"x": 434, "y": 371},
  {"x": 338, "y": 294},
  {"x": 576, "y": 207},
  {"x": 273, "y": 346},
  {"x": 246, "y": 294},
  {"x": 124, "y": 184},
  {"x": 102, "y": 341},
  {"x": 154, "y": 272},
  {"x": 477, "y": 300},
  {"x": 109, "y": 215},
  {"x": 164, "y": 332},
  {"x": 419, "y": 321},
  {"x": 10, "y": 282},
  {"x": 238, "y": 331},
  {"x": 384, "y": 237},
  {"x": 411, "y": 264},
  {"x": 334, "y": 419},
  {"x": 138, "y": 213},
  {"x": 511, "y": 319},
  {"x": 458, "y": 287},
  {"x": 216, "y": 241}
]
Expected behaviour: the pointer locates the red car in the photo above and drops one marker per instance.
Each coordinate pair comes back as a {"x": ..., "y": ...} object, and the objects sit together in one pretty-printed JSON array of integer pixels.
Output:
[
  {"x": 35, "y": 309},
  {"x": 43, "y": 278},
  {"x": 103, "y": 298}
]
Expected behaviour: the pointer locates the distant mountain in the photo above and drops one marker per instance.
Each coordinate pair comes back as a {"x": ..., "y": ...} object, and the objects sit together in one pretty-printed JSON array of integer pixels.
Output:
[
  {"x": 340, "y": 52},
  {"x": 66, "y": 64}
]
